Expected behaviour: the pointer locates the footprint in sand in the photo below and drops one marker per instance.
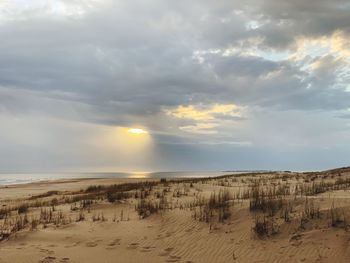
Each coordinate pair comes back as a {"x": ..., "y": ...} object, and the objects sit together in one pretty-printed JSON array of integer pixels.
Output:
[
  {"x": 91, "y": 244},
  {"x": 147, "y": 249},
  {"x": 52, "y": 245},
  {"x": 166, "y": 252},
  {"x": 133, "y": 245},
  {"x": 64, "y": 260},
  {"x": 173, "y": 258},
  {"x": 115, "y": 242},
  {"x": 73, "y": 245},
  {"x": 48, "y": 259}
]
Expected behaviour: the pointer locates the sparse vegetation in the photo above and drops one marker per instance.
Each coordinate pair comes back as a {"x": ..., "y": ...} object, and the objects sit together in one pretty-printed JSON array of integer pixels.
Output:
[{"x": 272, "y": 198}]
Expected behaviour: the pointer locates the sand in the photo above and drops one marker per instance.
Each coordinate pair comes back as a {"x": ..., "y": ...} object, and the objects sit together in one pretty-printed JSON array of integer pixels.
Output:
[{"x": 173, "y": 235}]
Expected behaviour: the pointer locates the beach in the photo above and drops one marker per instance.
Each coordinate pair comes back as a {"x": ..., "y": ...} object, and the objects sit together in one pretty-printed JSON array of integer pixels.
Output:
[{"x": 211, "y": 219}]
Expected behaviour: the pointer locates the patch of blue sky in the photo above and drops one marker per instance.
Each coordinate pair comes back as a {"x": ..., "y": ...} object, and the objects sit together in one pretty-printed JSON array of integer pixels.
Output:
[{"x": 274, "y": 55}]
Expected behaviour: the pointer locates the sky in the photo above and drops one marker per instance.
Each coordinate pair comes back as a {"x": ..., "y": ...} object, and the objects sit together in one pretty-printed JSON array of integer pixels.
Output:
[{"x": 214, "y": 85}]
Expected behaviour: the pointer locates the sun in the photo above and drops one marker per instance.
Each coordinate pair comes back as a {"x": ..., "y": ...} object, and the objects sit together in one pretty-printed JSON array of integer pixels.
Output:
[{"x": 137, "y": 131}]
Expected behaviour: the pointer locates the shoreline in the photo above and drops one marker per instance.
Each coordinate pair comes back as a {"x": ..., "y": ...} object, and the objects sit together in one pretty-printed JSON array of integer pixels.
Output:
[
  {"x": 17, "y": 178},
  {"x": 26, "y": 190},
  {"x": 43, "y": 177}
]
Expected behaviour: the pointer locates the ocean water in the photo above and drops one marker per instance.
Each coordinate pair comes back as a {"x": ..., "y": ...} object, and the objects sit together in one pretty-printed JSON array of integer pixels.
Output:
[{"x": 22, "y": 178}]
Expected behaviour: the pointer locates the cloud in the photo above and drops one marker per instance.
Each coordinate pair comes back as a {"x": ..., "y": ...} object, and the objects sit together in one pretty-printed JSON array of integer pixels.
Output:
[
  {"x": 76, "y": 59},
  {"x": 204, "y": 112},
  {"x": 206, "y": 119},
  {"x": 200, "y": 128},
  {"x": 214, "y": 68}
]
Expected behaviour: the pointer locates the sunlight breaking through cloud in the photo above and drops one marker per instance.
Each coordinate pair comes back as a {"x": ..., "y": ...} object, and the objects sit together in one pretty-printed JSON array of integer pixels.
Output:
[{"x": 205, "y": 112}]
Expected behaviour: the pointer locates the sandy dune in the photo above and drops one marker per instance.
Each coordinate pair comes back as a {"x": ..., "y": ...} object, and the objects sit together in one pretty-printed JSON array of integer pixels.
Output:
[{"x": 174, "y": 235}]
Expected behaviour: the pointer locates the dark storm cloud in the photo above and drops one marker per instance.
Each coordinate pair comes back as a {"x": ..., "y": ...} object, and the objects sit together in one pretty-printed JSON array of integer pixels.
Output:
[{"x": 141, "y": 53}]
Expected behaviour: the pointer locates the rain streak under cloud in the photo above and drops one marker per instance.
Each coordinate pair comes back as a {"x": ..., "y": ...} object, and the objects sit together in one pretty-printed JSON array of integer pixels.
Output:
[{"x": 101, "y": 85}]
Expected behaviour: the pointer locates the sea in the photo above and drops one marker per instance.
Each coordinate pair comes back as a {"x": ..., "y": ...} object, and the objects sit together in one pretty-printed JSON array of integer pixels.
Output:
[{"x": 23, "y": 178}]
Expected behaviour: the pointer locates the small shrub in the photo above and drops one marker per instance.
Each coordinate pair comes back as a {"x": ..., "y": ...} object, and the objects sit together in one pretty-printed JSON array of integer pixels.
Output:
[{"x": 23, "y": 208}]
